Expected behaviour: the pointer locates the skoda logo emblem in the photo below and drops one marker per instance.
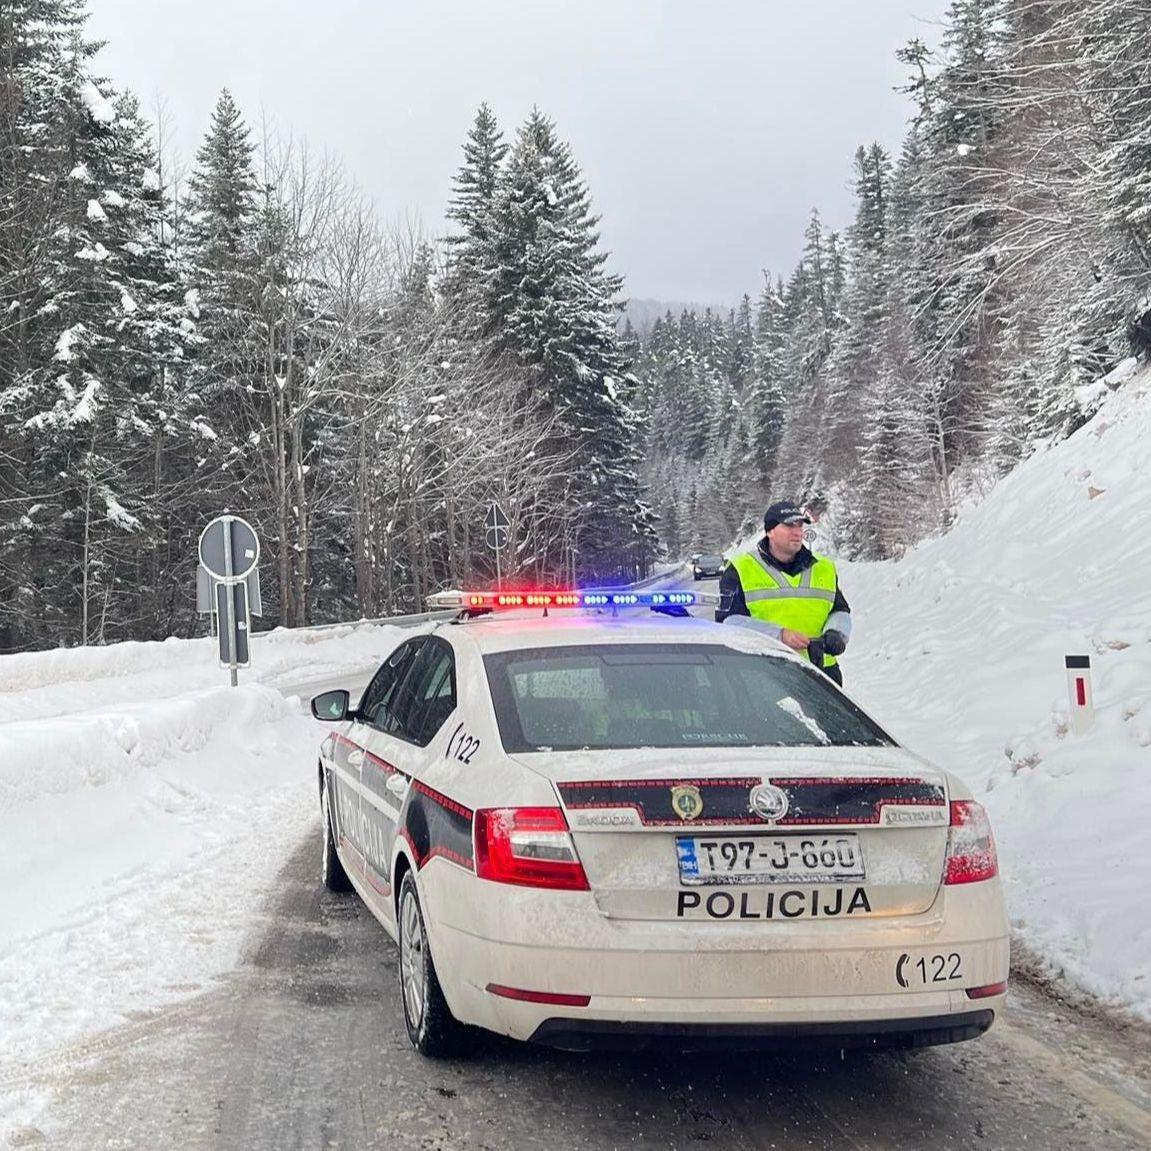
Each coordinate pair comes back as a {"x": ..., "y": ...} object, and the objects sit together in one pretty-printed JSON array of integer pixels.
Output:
[{"x": 769, "y": 802}]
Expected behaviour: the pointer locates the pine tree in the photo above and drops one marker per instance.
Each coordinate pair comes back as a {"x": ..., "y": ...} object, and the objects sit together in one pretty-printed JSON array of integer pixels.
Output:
[
  {"x": 220, "y": 252},
  {"x": 955, "y": 260},
  {"x": 471, "y": 247},
  {"x": 85, "y": 391},
  {"x": 554, "y": 309},
  {"x": 812, "y": 321},
  {"x": 221, "y": 214},
  {"x": 222, "y": 193},
  {"x": 856, "y": 360},
  {"x": 895, "y": 497},
  {"x": 768, "y": 401}
]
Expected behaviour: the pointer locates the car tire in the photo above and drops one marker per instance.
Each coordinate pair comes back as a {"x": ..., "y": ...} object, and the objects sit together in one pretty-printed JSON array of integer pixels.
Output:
[
  {"x": 432, "y": 1028},
  {"x": 331, "y": 869}
]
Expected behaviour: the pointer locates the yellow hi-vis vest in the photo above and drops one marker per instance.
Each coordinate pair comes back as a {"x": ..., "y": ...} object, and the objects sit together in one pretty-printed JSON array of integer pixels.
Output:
[{"x": 801, "y": 603}]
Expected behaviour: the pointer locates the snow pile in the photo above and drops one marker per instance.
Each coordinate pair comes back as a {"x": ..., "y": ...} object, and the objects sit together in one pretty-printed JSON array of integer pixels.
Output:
[
  {"x": 42, "y": 684},
  {"x": 959, "y": 650},
  {"x": 145, "y": 810}
]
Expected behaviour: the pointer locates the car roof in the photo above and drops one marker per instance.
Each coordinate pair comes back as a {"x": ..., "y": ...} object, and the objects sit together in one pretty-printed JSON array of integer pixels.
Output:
[{"x": 510, "y": 631}]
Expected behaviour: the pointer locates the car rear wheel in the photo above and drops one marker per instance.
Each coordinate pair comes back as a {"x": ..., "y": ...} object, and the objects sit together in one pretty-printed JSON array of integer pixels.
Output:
[
  {"x": 432, "y": 1028},
  {"x": 331, "y": 869}
]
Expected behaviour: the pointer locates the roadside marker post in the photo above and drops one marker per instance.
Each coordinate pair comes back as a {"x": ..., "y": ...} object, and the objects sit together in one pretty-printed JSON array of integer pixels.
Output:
[{"x": 1082, "y": 713}]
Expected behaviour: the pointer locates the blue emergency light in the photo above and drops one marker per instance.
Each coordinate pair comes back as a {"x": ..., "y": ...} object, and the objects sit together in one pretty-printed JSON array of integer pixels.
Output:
[{"x": 560, "y": 598}]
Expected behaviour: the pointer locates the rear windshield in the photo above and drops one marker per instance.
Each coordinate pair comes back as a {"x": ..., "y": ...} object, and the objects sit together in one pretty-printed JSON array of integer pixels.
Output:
[{"x": 657, "y": 695}]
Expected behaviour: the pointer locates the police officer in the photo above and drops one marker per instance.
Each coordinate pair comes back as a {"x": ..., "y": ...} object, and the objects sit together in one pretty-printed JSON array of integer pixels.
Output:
[{"x": 793, "y": 594}]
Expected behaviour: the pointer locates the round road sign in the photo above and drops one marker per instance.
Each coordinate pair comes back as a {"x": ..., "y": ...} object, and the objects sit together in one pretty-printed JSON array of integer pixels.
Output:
[{"x": 245, "y": 549}]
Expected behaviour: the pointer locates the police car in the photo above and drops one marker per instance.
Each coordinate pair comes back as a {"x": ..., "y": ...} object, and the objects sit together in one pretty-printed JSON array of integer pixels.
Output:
[{"x": 607, "y": 826}]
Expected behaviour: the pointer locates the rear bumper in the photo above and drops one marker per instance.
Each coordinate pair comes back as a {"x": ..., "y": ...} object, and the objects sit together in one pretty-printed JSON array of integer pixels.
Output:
[
  {"x": 837, "y": 982},
  {"x": 875, "y": 1034}
]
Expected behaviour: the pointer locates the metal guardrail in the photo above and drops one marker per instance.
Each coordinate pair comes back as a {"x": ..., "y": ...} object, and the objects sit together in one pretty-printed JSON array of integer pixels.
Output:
[
  {"x": 412, "y": 620},
  {"x": 648, "y": 581}
]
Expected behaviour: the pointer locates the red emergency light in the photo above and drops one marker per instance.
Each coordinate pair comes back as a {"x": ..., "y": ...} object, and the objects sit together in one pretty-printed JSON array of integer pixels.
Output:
[{"x": 554, "y": 597}]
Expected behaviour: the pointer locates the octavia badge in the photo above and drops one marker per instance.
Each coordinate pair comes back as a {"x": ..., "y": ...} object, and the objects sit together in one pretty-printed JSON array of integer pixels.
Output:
[{"x": 769, "y": 802}]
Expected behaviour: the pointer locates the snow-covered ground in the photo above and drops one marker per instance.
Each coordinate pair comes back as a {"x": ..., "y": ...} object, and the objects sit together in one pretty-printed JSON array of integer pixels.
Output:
[
  {"x": 959, "y": 649},
  {"x": 145, "y": 810},
  {"x": 145, "y": 807}
]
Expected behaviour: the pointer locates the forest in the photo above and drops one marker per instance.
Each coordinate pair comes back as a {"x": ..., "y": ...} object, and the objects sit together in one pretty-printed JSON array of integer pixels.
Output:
[{"x": 247, "y": 336}]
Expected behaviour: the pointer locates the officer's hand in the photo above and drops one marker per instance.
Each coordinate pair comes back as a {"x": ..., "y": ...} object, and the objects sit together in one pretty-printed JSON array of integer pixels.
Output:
[
  {"x": 834, "y": 642},
  {"x": 795, "y": 640}
]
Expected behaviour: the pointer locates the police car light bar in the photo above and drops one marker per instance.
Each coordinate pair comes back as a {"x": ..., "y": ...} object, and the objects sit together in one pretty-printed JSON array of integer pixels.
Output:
[{"x": 600, "y": 597}]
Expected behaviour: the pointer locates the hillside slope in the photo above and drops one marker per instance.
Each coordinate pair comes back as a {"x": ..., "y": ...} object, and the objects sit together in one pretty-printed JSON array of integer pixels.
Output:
[{"x": 959, "y": 648}]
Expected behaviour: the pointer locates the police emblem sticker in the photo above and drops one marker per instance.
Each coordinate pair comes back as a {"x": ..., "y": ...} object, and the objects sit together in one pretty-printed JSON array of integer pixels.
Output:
[{"x": 686, "y": 801}]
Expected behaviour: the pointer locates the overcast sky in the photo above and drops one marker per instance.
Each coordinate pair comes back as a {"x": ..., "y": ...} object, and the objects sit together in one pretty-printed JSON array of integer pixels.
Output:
[{"x": 706, "y": 130}]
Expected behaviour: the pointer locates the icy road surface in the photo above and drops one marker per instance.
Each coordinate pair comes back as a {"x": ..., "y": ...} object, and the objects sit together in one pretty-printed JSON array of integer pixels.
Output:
[{"x": 304, "y": 1047}]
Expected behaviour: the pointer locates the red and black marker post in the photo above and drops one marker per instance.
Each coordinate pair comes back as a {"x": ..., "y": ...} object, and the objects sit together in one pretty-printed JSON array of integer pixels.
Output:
[{"x": 1082, "y": 714}]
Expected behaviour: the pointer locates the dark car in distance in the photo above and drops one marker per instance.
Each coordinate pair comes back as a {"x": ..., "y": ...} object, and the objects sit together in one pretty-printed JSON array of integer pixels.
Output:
[{"x": 707, "y": 566}]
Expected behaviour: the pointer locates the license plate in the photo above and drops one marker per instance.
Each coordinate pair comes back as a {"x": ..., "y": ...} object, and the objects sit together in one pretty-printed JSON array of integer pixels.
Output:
[{"x": 769, "y": 858}]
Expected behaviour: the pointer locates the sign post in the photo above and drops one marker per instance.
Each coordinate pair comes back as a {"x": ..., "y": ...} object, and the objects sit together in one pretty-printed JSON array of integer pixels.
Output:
[
  {"x": 1082, "y": 712},
  {"x": 229, "y": 582},
  {"x": 496, "y": 532}
]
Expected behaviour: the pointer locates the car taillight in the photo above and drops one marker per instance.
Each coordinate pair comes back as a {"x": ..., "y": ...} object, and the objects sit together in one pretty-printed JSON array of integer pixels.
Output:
[
  {"x": 970, "y": 844},
  {"x": 529, "y": 846}
]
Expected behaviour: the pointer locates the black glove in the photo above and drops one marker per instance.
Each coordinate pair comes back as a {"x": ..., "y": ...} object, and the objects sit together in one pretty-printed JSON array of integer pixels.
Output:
[{"x": 834, "y": 642}]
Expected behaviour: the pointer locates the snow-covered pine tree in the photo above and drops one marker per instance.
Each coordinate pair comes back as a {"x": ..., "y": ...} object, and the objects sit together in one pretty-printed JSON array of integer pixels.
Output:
[
  {"x": 955, "y": 258},
  {"x": 554, "y": 309},
  {"x": 895, "y": 497},
  {"x": 96, "y": 324},
  {"x": 812, "y": 318},
  {"x": 471, "y": 245},
  {"x": 269, "y": 312},
  {"x": 855, "y": 362},
  {"x": 219, "y": 252},
  {"x": 40, "y": 104},
  {"x": 768, "y": 400},
  {"x": 151, "y": 335}
]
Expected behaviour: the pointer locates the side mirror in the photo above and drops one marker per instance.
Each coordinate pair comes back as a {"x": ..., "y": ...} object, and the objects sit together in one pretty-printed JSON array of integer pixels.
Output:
[{"x": 331, "y": 706}]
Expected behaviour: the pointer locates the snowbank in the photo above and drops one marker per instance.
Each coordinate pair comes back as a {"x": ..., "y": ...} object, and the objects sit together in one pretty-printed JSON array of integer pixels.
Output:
[
  {"x": 959, "y": 649},
  {"x": 145, "y": 811}
]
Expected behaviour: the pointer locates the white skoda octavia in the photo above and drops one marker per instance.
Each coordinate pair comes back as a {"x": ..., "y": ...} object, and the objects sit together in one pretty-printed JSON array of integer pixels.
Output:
[{"x": 618, "y": 829}]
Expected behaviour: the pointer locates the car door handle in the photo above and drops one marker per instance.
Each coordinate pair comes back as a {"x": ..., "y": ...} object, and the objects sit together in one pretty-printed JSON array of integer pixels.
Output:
[{"x": 397, "y": 785}]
